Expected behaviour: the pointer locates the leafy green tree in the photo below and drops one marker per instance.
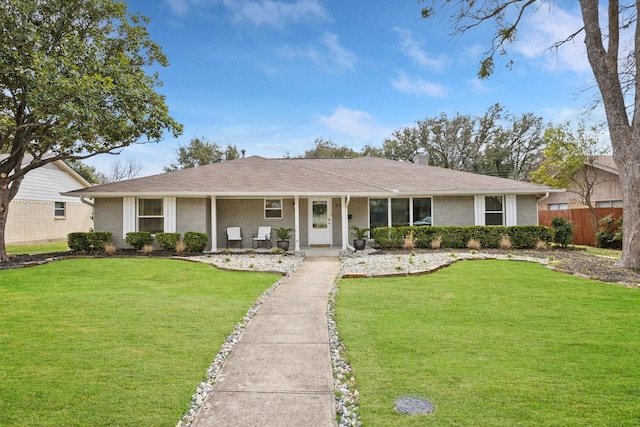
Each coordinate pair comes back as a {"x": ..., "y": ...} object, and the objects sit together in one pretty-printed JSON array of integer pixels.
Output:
[
  {"x": 327, "y": 149},
  {"x": 74, "y": 83},
  {"x": 614, "y": 65},
  {"x": 496, "y": 143},
  {"x": 569, "y": 163},
  {"x": 200, "y": 152},
  {"x": 515, "y": 150},
  {"x": 569, "y": 160},
  {"x": 84, "y": 170}
]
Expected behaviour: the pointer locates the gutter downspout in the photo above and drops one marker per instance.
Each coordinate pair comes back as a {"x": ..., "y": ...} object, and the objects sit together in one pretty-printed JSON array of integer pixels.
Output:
[
  {"x": 86, "y": 202},
  {"x": 345, "y": 221},
  {"x": 545, "y": 197}
]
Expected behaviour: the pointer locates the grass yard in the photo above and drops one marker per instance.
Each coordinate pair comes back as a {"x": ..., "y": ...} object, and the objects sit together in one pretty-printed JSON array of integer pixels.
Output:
[
  {"x": 38, "y": 248},
  {"x": 494, "y": 343},
  {"x": 105, "y": 342}
]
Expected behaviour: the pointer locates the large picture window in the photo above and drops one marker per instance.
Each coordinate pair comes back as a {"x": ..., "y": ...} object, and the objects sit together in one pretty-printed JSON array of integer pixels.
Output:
[
  {"x": 400, "y": 212},
  {"x": 150, "y": 215},
  {"x": 494, "y": 210},
  {"x": 273, "y": 208},
  {"x": 422, "y": 211},
  {"x": 378, "y": 212}
]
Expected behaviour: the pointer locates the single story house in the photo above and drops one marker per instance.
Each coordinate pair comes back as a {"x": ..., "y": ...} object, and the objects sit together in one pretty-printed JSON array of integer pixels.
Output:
[
  {"x": 607, "y": 190},
  {"x": 319, "y": 198},
  {"x": 39, "y": 212}
]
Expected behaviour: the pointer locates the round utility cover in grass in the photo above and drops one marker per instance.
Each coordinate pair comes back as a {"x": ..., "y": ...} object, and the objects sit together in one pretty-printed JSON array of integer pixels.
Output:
[{"x": 413, "y": 406}]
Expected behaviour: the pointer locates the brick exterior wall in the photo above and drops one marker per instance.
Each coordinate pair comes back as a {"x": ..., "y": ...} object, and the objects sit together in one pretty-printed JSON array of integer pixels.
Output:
[
  {"x": 108, "y": 217},
  {"x": 527, "y": 210},
  {"x": 31, "y": 221},
  {"x": 456, "y": 210}
]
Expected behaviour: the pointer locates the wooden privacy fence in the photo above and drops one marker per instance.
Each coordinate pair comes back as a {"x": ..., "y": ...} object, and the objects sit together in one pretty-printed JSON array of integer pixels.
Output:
[{"x": 581, "y": 219}]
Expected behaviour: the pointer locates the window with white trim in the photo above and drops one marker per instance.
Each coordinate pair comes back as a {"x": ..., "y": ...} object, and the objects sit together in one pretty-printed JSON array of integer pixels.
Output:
[
  {"x": 609, "y": 204},
  {"x": 557, "y": 206},
  {"x": 273, "y": 208},
  {"x": 394, "y": 212},
  {"x": 494, "y": 210},
  {"x": 60, "y": 209},
  {"x": 150, "y": 215}
]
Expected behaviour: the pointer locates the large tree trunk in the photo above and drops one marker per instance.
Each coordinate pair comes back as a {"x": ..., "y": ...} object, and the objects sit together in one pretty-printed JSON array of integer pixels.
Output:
[
  {"x": 625, "y": 138},
  {"x": 630, "y": 180},
  {"x": 4, "y": 214}
]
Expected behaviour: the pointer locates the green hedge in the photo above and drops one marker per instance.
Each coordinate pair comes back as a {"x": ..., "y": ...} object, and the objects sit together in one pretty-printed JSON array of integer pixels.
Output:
[
  {"x": 91, "y": 241},
  {"x": 195, "y": 241},
  {"x": 138, "y": 239},
  {"x": 168, "y": 241},
  {"x": 523, "y": 236}
]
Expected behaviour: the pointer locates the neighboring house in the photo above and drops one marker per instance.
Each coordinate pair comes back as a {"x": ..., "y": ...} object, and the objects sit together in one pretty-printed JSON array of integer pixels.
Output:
[
  {"x": 319, "y": 198},
  {"x": 40, "y": 213},
  {"x": 607, "y": 191}
]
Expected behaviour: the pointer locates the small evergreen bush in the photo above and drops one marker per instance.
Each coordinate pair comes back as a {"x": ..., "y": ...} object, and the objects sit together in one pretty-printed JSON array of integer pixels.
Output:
[
  {"x": 562, "y": 231},
  {"x": 91, "y": 241},
  {"x": 195, "y": 241},
  {"x": 168, "y": 241},
  {"x": 138, "y": 239},
  {"x": 609, "y": 233}
]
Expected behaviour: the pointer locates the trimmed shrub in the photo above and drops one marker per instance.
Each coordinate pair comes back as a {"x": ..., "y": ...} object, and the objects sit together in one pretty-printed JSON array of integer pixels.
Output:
[
  {"x": 562, "y": 231},
  {"x": 195, "y": 241},
  {"x": 138, "y": 239},
  {"x": 457, "y": 237},
  {"x": 168, "y": 241},
  {"x": 91, "y": 241},
  {"x": 609, "y": 233}
]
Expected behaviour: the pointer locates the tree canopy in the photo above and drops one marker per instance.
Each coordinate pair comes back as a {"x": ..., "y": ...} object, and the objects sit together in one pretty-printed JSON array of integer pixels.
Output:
[
  {"x": 74, "y": 82},
  {"x": 327, "y": 149},
  {"x": 200, "y": 152}
]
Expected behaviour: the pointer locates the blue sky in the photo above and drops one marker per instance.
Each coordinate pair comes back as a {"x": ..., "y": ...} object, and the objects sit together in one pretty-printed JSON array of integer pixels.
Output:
[{"x": 271, "y": 76}]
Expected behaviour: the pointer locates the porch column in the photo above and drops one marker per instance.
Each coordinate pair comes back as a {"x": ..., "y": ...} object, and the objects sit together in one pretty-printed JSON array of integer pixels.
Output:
[
  {"x": 296, "y": 232},
  {"x": 214, "y": 226},
  {"x": 345, "y": 222}
]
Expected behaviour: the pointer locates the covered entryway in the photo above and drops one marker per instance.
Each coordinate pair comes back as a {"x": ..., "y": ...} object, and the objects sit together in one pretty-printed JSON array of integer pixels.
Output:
[{"x": 320, "y": 227}]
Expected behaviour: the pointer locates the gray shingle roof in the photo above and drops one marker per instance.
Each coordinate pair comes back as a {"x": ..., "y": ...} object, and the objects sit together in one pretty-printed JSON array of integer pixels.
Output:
[{"x": 258, "y": 176}]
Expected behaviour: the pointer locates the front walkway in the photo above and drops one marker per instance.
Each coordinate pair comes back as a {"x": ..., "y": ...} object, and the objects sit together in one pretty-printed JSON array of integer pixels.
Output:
[{"x": 279, "y": 373}]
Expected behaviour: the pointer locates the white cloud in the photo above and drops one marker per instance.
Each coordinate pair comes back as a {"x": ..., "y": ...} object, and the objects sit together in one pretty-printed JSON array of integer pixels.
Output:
[
  {"x": 354, "y": 123},
  {"x": 329, "y": 54},
  {"x": 413, "y": 49},
  {"x": 418, "y": 86},
  {"x": 178, "y": 7},
  {"x": 275, "y": 13},
  {"x": 478, "y": 86},
  {"x": 549, "y": 25}
]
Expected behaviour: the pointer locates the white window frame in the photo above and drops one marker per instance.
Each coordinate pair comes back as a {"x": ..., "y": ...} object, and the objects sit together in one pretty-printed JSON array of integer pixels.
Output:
[
  {"x": 56, "y": 210},
  {"x": 138, "y": 216},
  {"x": 267, "y": 209},
  {"x": 557, "y": 206},
  {"x": 502, "y": 212},
  {"x": 390, "y": 209}
]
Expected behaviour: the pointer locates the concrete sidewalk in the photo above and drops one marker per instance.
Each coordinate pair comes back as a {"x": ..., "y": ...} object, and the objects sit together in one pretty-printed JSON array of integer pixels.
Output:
[{"x": 279, "y": 373}]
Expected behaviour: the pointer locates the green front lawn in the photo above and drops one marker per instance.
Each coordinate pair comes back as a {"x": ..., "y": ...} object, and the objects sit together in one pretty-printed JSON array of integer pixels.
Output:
[
  {"x": 494, "y": 343},
  {"x": 104, "y": 342},
  {"x": 38, "y": 248}
]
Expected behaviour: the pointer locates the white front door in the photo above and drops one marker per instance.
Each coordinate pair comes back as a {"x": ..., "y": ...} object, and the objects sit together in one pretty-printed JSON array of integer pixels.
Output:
[{"x": 320, "y": 230}]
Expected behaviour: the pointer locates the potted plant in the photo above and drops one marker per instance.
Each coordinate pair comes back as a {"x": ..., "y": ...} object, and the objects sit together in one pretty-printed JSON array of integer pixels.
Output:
[
  {"x": 360, "y": 235},
  {"x": 283, "y": 234}
]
